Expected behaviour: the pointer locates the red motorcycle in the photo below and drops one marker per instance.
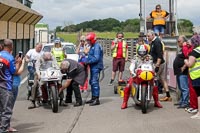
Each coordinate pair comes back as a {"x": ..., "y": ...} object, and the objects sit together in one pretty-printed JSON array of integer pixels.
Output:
[{"x": 142, "y": 85}]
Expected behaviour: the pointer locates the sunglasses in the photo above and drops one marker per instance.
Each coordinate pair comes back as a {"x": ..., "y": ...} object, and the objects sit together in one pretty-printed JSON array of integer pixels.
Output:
[
  {"x": 157, "y": 8},
  {"x": 82, "y": 41}
]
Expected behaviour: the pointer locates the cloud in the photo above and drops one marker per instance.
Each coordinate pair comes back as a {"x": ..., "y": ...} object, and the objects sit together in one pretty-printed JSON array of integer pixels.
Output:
[{"x": 58, "y": 12}]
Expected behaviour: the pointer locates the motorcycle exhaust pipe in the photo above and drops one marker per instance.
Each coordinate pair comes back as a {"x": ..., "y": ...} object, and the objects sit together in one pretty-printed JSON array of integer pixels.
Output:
[
  {"x": 148, "y": 93},
  {"x": 140, "y": 91}
]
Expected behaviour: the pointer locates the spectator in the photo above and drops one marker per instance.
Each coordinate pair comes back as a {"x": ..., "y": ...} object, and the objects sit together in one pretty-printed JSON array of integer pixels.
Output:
[
  {"x": 82, "y": 50},
  {"x": 159, "y": 17},
  {"x": 76, "y": 75},
  {"x": 95, "y": 61},
  {"x": 119, "y": 49},
  {"x": 194, "y": 69},
  {"x": 58, "y": 52},
  {"x": 181, "y": 71},
  {"x": 156, "y": 51},
  {"x": 8, "y": 69},
  {"x": 31, "y": 56},
  {"x": 193, "y": 108}
]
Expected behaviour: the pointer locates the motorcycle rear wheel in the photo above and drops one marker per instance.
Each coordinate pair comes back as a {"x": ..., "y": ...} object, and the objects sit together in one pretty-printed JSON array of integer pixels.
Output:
[{"x": 54, "y": 99}]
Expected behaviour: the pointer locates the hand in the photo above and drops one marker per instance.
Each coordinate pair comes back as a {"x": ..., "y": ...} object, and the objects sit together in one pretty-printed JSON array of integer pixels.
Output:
[
  {"x": 156, "y": 69},
  {"x": 116, "y": 40}
]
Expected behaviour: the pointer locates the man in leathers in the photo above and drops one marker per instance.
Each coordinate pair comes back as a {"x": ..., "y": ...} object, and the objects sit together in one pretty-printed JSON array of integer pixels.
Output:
[{"x": 95, "y": 61}]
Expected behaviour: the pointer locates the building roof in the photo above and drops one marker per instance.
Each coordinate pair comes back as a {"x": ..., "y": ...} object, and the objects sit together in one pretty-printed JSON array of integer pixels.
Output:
[{"x": 14, "y": 11}]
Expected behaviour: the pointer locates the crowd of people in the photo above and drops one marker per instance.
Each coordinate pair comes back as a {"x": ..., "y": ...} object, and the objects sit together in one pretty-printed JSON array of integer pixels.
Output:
[{"x": 186, "y": 68}]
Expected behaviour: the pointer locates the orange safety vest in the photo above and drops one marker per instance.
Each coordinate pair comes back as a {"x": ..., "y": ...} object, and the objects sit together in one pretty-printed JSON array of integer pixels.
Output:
[{"x": 158, "y": 17}]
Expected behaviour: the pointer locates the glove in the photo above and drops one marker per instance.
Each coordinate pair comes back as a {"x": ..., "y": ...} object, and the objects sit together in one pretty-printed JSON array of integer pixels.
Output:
[{"x": 156, "y": 69}]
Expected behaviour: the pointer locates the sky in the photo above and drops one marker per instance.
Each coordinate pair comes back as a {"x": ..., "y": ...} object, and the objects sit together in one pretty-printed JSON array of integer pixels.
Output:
[{"x": 66, "y": 12}]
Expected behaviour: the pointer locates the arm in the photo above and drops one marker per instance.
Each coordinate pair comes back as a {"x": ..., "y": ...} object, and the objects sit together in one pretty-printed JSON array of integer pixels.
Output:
[
  {"x": 28, "y": 56},
  {"x": 21, "y": 68},
  {"x": 65, "y": 85},
  {"x": 114, "y": 43},
  {"x": 190, "y": 62},
  {"x": 96, "y": 56},
  {"x": 159, "y": 52},
  {"x": 78, "y": 48}
]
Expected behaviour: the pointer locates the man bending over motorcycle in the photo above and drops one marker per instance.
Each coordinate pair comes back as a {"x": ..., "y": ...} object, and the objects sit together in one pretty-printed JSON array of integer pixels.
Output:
[
  {"x": 142, "y": 51},
  {"x": 45, "y": 61}
]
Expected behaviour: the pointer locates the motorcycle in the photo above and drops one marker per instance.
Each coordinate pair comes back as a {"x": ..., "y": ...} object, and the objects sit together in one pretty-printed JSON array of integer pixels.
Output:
[
  {"x": 31, "y": 70},
  {"x": 51, "y": 78},
  {"x": 143, "y": 81}
]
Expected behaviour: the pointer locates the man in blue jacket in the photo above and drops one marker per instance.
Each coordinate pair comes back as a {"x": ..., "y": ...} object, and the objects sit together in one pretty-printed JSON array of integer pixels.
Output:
[
  {"x": 7, "y": 69},
  {"x": 95, "y": 61}
]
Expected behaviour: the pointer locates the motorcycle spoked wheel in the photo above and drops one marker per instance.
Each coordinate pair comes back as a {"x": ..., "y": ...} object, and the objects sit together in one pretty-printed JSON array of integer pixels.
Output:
[
  {"x": 54, "y": 99},
  {"x": 144, "y": 103}
]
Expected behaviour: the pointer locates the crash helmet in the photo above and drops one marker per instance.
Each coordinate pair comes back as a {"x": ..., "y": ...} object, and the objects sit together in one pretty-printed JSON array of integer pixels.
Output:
[
  {"x": 142, "y": 50},
  {"x": 91, "y": 37}
]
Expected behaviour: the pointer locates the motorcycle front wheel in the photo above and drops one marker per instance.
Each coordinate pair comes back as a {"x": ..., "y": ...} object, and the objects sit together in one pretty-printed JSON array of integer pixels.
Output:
[
  {"x": 144, "y": 98},
  {"x": 54, "y": 99}
]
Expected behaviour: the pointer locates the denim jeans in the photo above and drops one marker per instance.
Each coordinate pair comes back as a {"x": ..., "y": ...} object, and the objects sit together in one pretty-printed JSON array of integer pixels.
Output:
[
  {"x": 159, "y": 29},
  {"x": 182, "y": 81}
]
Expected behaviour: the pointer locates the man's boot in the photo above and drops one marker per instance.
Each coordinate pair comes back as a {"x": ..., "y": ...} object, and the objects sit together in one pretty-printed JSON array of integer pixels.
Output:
[
  {"x": 155, "y": 97},
  {"x": 95, "y": 101},
  {"x": 126, "y": 96},
  {"x": 68, "y": 99},
  {"x": 32, "y": 105},
  {"x": 91, "y": 100}
]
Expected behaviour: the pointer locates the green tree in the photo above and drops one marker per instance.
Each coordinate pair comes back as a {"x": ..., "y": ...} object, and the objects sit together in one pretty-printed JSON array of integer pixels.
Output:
[
  {"x": 58, "y": 28},
  {"x": 185, "y": 25}
]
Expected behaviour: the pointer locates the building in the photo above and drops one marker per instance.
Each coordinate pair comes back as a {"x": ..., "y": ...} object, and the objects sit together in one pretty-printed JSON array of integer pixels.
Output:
[{"x": 17, "y": 22}]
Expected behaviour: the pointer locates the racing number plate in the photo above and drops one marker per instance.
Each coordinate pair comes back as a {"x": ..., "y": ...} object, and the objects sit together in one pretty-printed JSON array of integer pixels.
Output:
[{"x": 146, "y": 67}]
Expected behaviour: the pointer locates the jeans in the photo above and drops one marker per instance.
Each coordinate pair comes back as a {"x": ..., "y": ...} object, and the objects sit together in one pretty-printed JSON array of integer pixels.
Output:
[{"x": 182, "y": 81}]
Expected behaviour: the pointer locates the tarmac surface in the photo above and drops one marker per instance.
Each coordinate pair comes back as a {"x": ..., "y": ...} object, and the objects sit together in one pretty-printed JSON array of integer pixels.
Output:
[{"x": 105, "y": 118}]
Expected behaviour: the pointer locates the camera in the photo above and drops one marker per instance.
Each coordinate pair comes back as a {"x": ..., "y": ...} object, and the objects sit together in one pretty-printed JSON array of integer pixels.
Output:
[{"x": 20, "y": 54}]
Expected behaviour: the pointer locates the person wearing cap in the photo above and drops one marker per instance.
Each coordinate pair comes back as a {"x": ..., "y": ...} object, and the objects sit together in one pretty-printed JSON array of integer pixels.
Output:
[
  {"x": 159, "y": 17},
  {"x": 76, "y": 75},
  {"x": 58, "y": 52}
]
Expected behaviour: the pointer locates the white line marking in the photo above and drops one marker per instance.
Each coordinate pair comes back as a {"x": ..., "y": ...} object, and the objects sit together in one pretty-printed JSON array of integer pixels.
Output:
[{"x": 24, "y": 80}]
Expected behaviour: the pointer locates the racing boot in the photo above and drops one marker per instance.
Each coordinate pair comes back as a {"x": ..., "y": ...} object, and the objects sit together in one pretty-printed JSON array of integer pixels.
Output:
[
  {"x": 126, "y": 97},
  {"x": 155, "y": 97},
  {"x": 91, "y": 100},
  {"x": 95, "y": 102}
]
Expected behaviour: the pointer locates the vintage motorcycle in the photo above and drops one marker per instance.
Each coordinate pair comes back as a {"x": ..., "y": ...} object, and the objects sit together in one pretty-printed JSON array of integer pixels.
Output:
[
  {"x": 31, "y": 70},
  {"x": 143, "y": 81},
  {"x": 51, "y": 79}
]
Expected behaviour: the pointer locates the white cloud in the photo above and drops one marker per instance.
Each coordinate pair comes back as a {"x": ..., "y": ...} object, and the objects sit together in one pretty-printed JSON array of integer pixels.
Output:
[{"x": 56, "y": 12}]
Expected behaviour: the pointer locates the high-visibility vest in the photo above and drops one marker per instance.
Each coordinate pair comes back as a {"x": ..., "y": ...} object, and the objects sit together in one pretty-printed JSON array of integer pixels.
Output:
[
  {"x": 58, "y": 54},
  {"x": 114, "y": 52},
  {"x": 195, "y": 69},
  {"x": 158, "y": 17}
]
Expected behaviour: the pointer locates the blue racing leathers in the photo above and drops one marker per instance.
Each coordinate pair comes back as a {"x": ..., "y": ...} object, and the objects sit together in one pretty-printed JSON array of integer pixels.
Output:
[{"x": 95, "y": 60}]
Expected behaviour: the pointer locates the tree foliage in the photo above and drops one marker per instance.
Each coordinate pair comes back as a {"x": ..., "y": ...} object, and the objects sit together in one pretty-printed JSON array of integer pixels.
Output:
[
  {"x": 111, "y": 24},
  {"x": 185, "y": 25}
]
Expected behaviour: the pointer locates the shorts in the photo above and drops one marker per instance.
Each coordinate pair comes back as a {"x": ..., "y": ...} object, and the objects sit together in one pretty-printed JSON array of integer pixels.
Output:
[
  {"x": 162, "y": 72},
  {"x": 118, "y": 64},
  {"x": 159, "y": 29}
]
